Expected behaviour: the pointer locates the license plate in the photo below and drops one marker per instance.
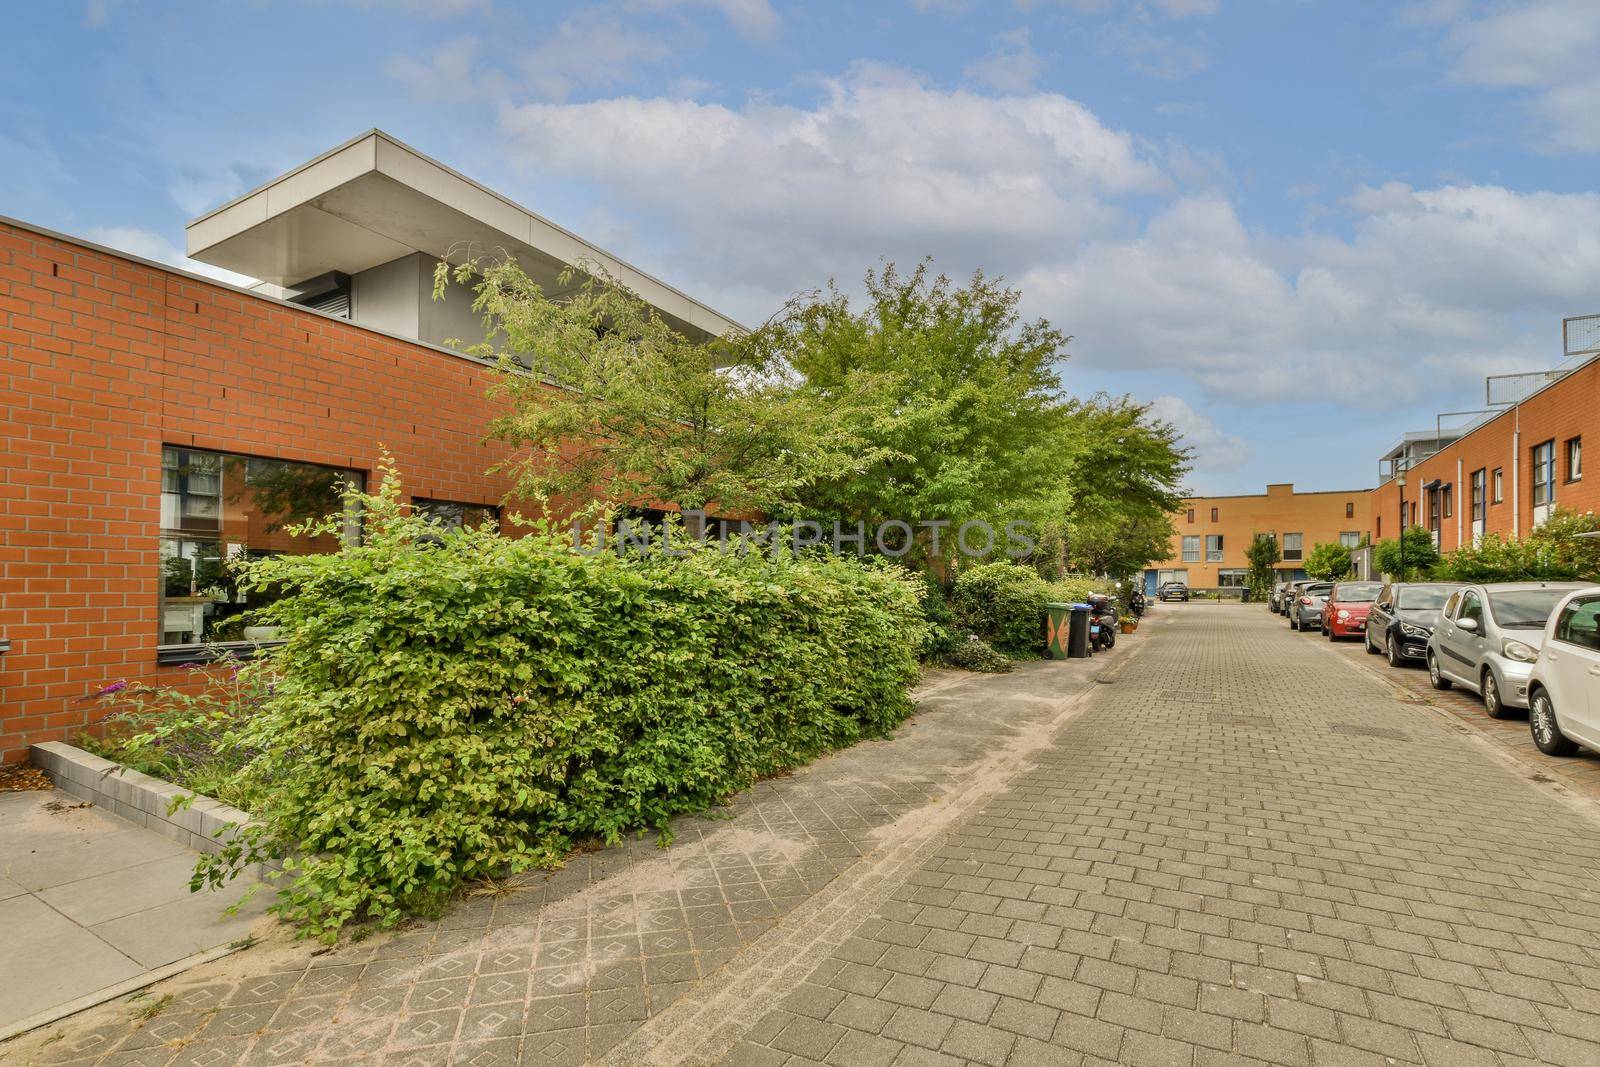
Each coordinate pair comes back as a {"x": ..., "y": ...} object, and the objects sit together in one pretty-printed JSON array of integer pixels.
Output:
[{"x": 1094, "y": 629}]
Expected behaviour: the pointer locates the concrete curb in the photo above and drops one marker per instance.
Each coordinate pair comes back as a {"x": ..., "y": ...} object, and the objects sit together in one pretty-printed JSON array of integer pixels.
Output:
[{"x": 205, "y": 825}]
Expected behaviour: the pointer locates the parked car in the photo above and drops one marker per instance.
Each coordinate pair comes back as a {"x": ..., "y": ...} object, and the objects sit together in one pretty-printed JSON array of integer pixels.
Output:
[
  {"x": 1305, "y": 609},
  {"x": 1174, "y": 591},
  {"x": 1402, "y": 619},
  {"x": 1275, "y": 597},
  {"x": 1564, "y": 686},
  {"x": 1346, "y": 612},
  {"x": 1489, "y": 638}
]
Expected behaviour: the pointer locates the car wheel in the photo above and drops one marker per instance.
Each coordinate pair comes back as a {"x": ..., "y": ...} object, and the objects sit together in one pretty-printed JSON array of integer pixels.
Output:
[
  {"x": 1395, "y": 658},
  {"x": 1366, "y": 639},
  {"x": 1435, "y": 679},
  {"x": 1492, "y": 704},
  {"x": 1293, "y": 625},
  {"x": 1111, "y": 639},
  {"x": 1546, "y": 731}
]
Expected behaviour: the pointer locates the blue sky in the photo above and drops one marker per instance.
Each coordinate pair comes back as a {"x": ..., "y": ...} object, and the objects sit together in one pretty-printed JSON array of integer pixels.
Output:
[{"x": 1299, "y": 228}]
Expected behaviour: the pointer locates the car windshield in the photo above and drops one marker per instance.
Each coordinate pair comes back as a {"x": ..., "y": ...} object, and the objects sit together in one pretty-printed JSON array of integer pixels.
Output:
[
  {"x": 1424, "y": 597},
  {"x": 1316, "y": 590},
  {"x": 1526, "y": 609},
  {"x": 1359, "y": 592}
]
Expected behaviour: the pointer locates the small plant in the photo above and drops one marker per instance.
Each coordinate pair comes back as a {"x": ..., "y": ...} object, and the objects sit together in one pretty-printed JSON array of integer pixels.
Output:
[
  {"x": 975, "y": 654},
  {"x": 145, "y": 1008}
]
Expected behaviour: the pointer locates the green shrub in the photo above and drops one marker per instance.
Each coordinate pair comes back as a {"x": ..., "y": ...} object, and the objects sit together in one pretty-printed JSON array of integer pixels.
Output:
[
  {"x": 943, "y": 634},
  {"x": 463, "y": 709},
  {"x": 1004, "y": 604},
  {"x": 976, "y": 654},
  {"x": 1552, "y": 551}
]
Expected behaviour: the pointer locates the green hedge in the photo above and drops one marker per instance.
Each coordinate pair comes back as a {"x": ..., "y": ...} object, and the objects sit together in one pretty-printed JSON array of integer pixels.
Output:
[
  {"x": 1004, "y": 603},
  {"x": 452, "y": 712}
]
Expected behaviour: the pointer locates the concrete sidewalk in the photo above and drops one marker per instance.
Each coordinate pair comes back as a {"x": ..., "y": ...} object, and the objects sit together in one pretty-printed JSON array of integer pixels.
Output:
[
  {"x": 564, "y": 968},
  {"x": 91, "y": 904}
]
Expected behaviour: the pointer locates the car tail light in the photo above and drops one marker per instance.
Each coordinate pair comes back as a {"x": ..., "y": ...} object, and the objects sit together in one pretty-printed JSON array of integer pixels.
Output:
[{"x": 1305, "y": 600}]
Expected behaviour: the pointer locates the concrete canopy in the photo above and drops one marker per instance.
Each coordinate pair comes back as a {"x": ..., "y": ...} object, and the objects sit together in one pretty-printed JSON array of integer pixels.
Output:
[{"x": 374, "y": 199}]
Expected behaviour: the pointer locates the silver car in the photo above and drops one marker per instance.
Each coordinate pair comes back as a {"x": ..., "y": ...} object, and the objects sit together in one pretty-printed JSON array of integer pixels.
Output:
[
  {"x": 1488, "y": 638},
  {"x": 1304, "y": 606}
]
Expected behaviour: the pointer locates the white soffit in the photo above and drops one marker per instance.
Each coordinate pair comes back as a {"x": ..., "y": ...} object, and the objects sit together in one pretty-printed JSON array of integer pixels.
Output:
[{"x": 374, "y": 199}]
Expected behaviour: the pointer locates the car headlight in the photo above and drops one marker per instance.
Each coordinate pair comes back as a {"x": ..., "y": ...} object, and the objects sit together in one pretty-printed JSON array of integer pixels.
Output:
[
  {"x": 1518, "y": 651},
  {"x": 1411, "y": 630},
  {"x": 1343, "y": 615}
]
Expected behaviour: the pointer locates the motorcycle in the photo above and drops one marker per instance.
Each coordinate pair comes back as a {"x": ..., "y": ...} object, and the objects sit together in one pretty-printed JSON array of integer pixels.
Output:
[{"x": 1103, "y": 622}]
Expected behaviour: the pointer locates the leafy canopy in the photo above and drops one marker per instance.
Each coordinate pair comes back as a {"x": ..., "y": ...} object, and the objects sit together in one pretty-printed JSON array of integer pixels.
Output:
[
  {"x": 1418, "y": 560},
  {"x": 1262, "y": 557},
  {"x": 1329, "y": 561}
]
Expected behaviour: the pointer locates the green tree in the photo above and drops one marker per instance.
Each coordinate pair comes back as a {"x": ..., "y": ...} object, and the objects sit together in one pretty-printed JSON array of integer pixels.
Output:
[
  {"x": 1417, "y": 561},
  {"x": 1328, "y": 562},
  {"x": 951, "y": 400},
  {"x": 607, "y": 404},
  {"x": 1552, "y": 551},
  {"x": 1263, "y": 556},
  {"x": 1117, "y": 546}
]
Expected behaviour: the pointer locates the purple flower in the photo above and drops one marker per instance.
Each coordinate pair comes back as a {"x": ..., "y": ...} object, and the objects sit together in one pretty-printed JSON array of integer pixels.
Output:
[{"x": 115, "y": 687}]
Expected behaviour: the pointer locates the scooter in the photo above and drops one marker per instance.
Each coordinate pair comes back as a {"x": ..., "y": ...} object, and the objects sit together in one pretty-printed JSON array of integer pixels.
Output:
[
  {"x": 1136, "y": 603},
  {"x": 1103, "y": 622}
]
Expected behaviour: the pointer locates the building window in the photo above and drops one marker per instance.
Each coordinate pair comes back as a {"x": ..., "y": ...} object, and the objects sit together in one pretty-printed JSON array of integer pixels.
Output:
[
  {"x": 1213, "y": 548},
  {"x": 1433, "y": 509},
  {"x": 1350, "y": 538},
  {"x": 1476, "y": 499},
  {"x": 217, "y": 509},
  {"x": 1544, "y": 474},
  {"x": 1231, "y": 579},
  {"x": 1574, "y": 459},
  {"x": 1213, "y": 514},
  {"x": 1448, "y": 495},
  {"x": 1349, "y": 510},
  {"x": 1191, "y": 549},
  {"x": 1378, "y": 519},
  {"x": 1191, "y": 515},
  {"x": 454, "y": 516},
  {"x": 1499, "y": 486},
  {"x": 1293, "y": 547}
]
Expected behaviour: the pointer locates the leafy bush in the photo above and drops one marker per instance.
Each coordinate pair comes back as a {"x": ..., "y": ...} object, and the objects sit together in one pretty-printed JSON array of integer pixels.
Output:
[
  {"x": 943, "y": 634},
  {"x": 1420, "y": 556},
  {"x": 1329, "y": 561},
  {"x": 976, "y": 654},
  {"x": 190, "y": 735},
  {"x": 1552, "y": 551},
  {"x": 453, "y": 704},
  {"x": 1004, "y": 604}
]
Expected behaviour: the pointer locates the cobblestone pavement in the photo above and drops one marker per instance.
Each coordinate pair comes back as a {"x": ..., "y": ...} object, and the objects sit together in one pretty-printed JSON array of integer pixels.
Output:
[
  {"x": 1509, "y": 736},
  {"x": 1242, "y": 852},
  {"x": 560, "y": 969}
]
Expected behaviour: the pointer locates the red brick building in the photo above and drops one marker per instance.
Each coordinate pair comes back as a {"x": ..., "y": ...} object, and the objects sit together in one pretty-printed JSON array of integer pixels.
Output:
[{"x": 155, "y": 422}]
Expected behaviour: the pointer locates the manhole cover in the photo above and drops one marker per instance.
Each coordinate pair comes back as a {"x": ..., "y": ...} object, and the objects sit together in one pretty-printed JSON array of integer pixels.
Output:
[
  {"x": 1190, "y": 696},
  {"x": 1222, "y": 718},
  {"x": 1372, "y": 731}
]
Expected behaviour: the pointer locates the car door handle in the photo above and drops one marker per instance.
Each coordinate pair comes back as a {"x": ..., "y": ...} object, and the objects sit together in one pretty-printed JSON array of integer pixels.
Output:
[{"x": 1594, "y": 671}]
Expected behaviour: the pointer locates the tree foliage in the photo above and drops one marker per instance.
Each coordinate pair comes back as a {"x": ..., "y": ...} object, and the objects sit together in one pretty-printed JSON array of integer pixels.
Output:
[
  {"x": 1417, "y": 561},
  {"x": 1328, "y": 561},
  {"x": 1262, "y": 557},
  {"x": 1552, "y": 551}
]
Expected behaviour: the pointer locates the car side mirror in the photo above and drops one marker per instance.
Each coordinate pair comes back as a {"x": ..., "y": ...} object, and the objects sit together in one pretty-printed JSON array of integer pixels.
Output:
[{"x": 1468, "y": 624}]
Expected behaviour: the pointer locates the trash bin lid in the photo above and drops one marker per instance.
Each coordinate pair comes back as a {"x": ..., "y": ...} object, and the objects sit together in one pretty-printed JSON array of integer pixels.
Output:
[
  {"x": 1083, "y": 607},
  {"x": 1057, "y": 604}
]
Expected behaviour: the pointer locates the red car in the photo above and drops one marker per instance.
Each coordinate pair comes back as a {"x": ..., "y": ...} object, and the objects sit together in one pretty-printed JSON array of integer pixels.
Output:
[{"x": 1345, "y": 613}]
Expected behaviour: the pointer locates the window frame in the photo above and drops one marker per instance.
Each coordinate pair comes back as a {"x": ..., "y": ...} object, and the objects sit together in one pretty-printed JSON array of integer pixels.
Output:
[
  {"x": 1349, "y": 509},
  {"x": 419, "y": 504},
  {"x": 1477, "y": 495},
  {"x": 1573, "y": 450},
  {"x": 1214, "y": 555},
  {"x": 204, "y": 651},
  {"x": 1188, "y": 555},
  {"x": 1498, "y": 493},
  {"x": 1299, "y": 549},
  {"x": 1214, "y": 515},
  {"x": 1565, "y": 619},
  {"x": 1542, "y": 473}
]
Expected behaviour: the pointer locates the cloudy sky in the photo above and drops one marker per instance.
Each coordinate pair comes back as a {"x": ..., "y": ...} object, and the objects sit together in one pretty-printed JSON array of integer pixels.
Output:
[{"x": 1298, "y": 227}]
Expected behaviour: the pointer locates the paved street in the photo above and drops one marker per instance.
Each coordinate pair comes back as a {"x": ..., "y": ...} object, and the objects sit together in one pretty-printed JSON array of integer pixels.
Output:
[{"x": 1243, "y": 848}]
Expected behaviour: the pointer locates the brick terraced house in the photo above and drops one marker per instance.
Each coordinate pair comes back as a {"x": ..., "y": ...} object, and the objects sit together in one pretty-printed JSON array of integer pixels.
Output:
[{"x": 157, "y": 423}]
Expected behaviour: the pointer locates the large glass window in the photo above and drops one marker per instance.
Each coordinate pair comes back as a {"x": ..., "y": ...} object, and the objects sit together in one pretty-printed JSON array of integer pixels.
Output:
[
  {"x": 1350, "y": 538},
  {"x": 218, "y": 508},
  {"x": 1544, "y": 473},
  {"x": 1574, "y": 459},
  {"x": 1580, "y": 623},
  {"x": 1479, "y": 504},
  {"x": 1293, "y": 547},
  {"x": 1232, "y": 579},
  {"x": 454, "y": 516},
  {"x": 1191, "y": 549},
  {"x": 1213, "y": 548}
]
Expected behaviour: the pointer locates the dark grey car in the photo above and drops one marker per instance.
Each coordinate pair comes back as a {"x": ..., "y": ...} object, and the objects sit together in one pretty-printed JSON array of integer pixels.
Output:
[
  {"x": 1403, "y": 617},
  {"x": 1305, "y": 606}
]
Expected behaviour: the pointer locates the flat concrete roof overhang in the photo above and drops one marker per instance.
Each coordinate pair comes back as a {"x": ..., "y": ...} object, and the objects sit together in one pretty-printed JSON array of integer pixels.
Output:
[{"x": 374, "y": 199}]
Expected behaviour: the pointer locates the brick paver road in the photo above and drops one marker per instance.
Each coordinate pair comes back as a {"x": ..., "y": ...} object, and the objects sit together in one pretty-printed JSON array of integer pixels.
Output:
[{"x": 1243, "y": 851}]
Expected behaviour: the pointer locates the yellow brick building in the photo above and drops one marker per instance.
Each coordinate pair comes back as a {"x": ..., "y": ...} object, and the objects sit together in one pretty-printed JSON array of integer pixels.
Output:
[{"x": 1214, "y": 532}]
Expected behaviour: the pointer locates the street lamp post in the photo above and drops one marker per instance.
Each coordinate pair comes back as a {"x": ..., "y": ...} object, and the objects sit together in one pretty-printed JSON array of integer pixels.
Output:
[{"x": 1400, "y": 480}]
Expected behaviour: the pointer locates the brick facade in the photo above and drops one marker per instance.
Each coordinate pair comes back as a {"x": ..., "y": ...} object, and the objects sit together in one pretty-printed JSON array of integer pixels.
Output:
[{"x": 103, "y": 360}]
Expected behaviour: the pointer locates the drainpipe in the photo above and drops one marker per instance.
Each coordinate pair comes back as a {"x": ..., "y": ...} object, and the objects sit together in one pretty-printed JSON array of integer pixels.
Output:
[
  {"x": 1455, "y": 499},
  {"x": 1516, "y": 473}
]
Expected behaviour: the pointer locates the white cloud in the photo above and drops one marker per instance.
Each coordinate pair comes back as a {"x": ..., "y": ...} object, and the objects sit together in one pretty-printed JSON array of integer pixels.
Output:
[
  {"x": 149, "y": 245},
  {"x": 593, "y": 49},
  {"x": 450, "y": 74},
  {"x": 881, "y": 164},
  {"x": 1011, "y": 66},
  {"x": 1548, "y": 48},
  {"x": 1215, "y": 450},
  {"x": 752, "y": 18}
]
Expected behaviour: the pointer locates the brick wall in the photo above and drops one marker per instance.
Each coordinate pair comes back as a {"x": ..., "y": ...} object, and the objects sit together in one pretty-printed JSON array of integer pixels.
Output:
[
  {"x": 1564, "y": 410},
  {"x": 102, "y": 361},
  {"x": 1317, "y": 516}
]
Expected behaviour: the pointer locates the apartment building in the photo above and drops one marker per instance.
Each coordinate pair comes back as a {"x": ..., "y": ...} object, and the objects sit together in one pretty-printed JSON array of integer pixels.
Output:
[
  {"x": 156, "y": 424},
  {"x": 1213, "y": 533}
]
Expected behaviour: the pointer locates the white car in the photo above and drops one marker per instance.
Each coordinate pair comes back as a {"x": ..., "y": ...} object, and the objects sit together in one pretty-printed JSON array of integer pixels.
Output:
[{"x": 1564, "y": 687}]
